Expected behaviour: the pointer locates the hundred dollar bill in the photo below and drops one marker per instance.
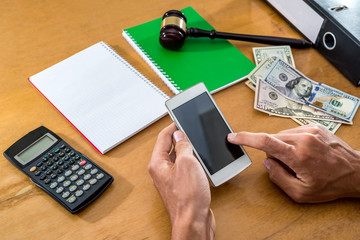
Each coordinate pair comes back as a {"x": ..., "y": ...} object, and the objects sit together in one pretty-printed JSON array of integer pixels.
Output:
[
  {"x": 331, "y": 126},
  {"x": 295, "y": 86},
  {"x": 269, "y": 55},
  {"x": 282, "y": 52},
  {"x": 270, "y": 101},
  {"x": 260, "y": 70}
]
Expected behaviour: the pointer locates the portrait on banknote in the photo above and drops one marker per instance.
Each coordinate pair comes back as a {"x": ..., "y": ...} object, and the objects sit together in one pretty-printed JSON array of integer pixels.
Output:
[{"x": 298, "y": 89}]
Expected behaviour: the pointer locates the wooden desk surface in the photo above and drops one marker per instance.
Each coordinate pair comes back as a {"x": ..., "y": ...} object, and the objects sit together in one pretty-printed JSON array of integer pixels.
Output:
[{"x": 37, "y": 34}]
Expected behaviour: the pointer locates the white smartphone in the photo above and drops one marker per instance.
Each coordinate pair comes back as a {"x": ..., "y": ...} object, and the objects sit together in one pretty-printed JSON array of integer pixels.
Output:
[{"x": 195, "y": 112}]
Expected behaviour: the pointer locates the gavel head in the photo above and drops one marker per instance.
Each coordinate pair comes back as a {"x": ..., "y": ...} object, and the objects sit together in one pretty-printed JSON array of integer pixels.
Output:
[{"x": 173, "y": 30}]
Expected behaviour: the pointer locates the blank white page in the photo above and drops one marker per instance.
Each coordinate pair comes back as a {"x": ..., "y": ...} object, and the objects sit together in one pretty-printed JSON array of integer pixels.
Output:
[{"x": 102, "y": 95}]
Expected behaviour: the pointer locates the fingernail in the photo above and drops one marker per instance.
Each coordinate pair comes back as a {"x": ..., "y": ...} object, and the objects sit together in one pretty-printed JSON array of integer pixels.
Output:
[
  {"x": 178, "y": 136},
  {"x": 267, "y": 164},
  {"x": 231, "y": 136}
]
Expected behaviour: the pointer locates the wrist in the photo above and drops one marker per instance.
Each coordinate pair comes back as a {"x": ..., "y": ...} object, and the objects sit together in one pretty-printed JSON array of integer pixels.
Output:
[{"x": 191, "y": 226}]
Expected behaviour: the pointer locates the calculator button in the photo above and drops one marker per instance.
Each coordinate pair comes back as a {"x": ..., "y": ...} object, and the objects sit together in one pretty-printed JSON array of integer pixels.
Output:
[
  {"x": 93, "y": 181},
  {"x": 75, "y": 167},
  {"x": 77, "y": 157},
  {"x": 87, "y": 176},
  {"x": 72, "y": 154},
  {"x": 32, "y": 169},
  {"x": 66, "y": 158},
  {"x": 74, "y": 177},
  {"x": 81, "y": 172},
  {"x": 94, "y": 171},
  {"x": 88, "y": 166},
  {"x": 65, "y": 194},
  {"x": 47, "y": 181},
  {"x": 79, "y": 193},
  {"x": 56, "y": 159},
  {"x": 37, "y": 173},
  {"x": 68, "y": 173},
  {"x": 43, "y": 168},
  {"x": 59, "y": 171},
  {"x": 53, "y": 185},
  {"x": 72, "y": 199},
  {"x": 51, "y": 155},
  {"x": 48, "y": 172},
  {"x": 61, "y": 178},
  {"x": 86, "y": 187},
  {"x": 72, "y": 188},
  {"x": 66, "y": 183},
  {"x": 44, "y": 159},
  {"x": 80, "y": 182},
  {"x": 63, "y": 146},
  {"x": 39, "y": 164},
  {"x": 54, "y": 166},
  {"x": 61, "y": 162},
  {"x": 100, "y": 176},
  {"x": 49, "y": 163},
  {"x": 67, "y": 150},
  {"x": 59, "y": 190},
  {"x": 57, "y": 150},
  {"x": 65, "y": 166},
  {"x": 82, "y": 162},
  {"x": 61, "y": 154},
  {"x": 53, "y": 176},
  {"x": 42, "y": 176}
]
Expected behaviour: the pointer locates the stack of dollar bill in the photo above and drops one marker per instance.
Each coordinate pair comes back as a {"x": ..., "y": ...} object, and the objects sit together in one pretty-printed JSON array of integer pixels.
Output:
[{"x": 281, "y": 90}]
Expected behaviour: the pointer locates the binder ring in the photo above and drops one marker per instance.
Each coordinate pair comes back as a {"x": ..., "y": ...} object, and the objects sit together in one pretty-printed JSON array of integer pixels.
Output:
[{"x": 329, "y": 40}]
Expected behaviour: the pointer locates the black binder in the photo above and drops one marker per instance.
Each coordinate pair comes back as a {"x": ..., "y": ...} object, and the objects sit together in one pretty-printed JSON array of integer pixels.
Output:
[{"x": 338, "y": 38}]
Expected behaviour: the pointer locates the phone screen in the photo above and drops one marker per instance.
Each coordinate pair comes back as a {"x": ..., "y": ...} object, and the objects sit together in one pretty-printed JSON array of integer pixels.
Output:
[{"x": 208, "y": 132}]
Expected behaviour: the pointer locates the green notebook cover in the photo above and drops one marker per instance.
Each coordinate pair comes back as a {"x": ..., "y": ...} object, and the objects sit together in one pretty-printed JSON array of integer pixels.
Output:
[{"x": 215, "y": 62}]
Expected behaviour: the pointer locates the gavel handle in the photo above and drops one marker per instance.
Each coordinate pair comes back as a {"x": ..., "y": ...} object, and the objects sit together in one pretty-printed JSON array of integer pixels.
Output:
[{"x": 295, "y": 43}]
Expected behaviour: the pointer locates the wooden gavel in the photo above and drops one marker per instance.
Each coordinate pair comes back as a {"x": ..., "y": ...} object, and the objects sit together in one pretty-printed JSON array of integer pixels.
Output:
[{"x": 174, "y": 32}]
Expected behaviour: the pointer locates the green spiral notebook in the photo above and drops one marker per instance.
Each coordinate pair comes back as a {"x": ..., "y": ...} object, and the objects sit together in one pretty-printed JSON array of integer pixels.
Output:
[{"x": 216, "y": 62}]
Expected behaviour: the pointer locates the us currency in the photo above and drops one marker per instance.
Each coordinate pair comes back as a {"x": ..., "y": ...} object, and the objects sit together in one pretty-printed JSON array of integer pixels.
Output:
[
  {"x": 260, "y": 70},
  {"x": 268, "y": 100},
  {"x": 331, "y": 126},
  {"x": 295, "y": 86},
  {"x": 282, "y": 52},
  {"x": 265, "y": 57},
  {"x": 251, "y": 85}
]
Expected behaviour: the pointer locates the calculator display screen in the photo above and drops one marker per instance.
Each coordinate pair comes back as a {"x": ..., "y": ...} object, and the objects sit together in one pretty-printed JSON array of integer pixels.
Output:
[{"x": 35, "y": 149}]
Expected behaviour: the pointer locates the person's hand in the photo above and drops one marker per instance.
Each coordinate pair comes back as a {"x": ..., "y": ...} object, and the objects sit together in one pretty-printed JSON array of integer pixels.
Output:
[
  {"x": 322, "y": 166},
  {"x": 183, "y": 186}
]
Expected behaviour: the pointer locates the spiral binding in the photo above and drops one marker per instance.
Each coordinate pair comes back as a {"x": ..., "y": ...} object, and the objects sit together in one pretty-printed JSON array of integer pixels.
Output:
[
  {"x": 147, "y": 81},
  {"x": 148, "y": 59}
]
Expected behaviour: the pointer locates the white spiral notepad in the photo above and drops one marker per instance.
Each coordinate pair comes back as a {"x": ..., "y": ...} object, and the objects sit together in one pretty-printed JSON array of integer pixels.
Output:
[{"x": 101, "y": 95}]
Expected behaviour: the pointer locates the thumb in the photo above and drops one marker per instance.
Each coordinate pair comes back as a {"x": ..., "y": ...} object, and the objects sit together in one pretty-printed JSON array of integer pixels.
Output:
[
  {"x": 281, "y": 176},
  {"x": 182, "y": 145}
]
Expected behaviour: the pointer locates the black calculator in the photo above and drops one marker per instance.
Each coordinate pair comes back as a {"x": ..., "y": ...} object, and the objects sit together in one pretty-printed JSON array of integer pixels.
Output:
[{"x": 62, "y": 172}]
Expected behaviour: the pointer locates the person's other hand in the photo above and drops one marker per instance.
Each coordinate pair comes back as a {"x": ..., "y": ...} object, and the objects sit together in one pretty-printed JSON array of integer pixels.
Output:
[
  {"x": 322, "y": 166},
  {"x": 183, "y": 186}
]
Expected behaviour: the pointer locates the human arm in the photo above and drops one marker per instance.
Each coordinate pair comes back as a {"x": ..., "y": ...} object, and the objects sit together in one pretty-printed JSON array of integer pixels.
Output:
[
  {"x": 324, "y": 167},
  {"x": 182, "y": 185}
]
